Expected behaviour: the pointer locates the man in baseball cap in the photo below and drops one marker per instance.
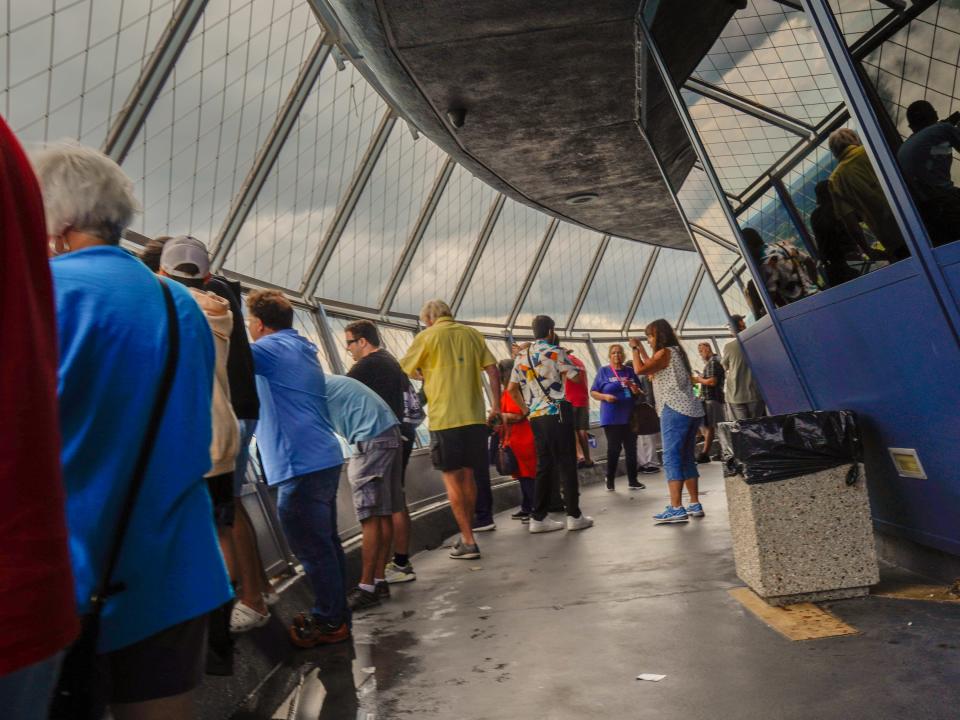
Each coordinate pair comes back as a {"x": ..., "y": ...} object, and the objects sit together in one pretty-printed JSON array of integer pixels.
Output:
[{"x": 185, "y": 258}]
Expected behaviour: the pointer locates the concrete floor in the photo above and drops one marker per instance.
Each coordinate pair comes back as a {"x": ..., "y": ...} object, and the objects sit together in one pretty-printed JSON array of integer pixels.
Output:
[{"x": 558, "y": 626}]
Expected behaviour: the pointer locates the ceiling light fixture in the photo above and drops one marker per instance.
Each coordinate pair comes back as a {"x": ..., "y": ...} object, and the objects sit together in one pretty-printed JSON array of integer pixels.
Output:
[{"x": 581, "y": 198}]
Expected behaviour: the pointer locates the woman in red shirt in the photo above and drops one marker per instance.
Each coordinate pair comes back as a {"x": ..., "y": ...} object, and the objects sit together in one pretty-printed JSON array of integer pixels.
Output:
[{"x": 517, "y": 435}]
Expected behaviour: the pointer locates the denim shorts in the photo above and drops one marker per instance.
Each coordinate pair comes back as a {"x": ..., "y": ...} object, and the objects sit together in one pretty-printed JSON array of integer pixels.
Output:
[{"x": 679, "y": 434}]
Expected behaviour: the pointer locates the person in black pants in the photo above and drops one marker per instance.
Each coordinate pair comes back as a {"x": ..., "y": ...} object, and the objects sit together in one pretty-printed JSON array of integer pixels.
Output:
[
  {"x": 536, "y": 385},
  {"x": 616, "y": 386}
]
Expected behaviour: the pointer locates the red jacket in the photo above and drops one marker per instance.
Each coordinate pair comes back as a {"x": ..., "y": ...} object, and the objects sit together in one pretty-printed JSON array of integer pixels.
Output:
[{"x": 37, "y": 612}]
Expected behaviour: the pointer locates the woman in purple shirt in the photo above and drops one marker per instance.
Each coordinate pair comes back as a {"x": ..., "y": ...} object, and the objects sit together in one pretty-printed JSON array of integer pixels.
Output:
[{"x": 616, "y": 387}]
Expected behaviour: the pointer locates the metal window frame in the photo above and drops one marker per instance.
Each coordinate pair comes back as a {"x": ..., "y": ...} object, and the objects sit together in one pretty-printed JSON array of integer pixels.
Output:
[
  {"x": 645, "y": 276},
  {"x": 587, "y": 284},
  {"x": 144, "y": 94},
  {"x": 538, "y": 259},
  {"x": 714, "y": 180},
  {"x": 493, "y": 215},
  {"x": 266, "y": 158},
  {"x": 846, "y": 68},
  {"x": 348, "y": 203},
  {"x": 322, "y": 322},
  {"x": 691, "y": 298},
  {"x": 749, "y": 107},
  {"x": 416, "y": 236}
]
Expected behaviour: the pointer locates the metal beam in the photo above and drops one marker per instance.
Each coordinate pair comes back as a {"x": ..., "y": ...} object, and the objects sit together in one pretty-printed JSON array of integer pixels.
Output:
[
  {"x": 492, "y": 216},
  {"x": 714, "y": 179},
  {"x": 347, "y": 204},
  {"x": 267, "y": 156},
  {"x": 326, "y": 337},
  {"x": 793, "y": 212},
  {"x": 587, "y": 283},
  {"x": 413, "y": 242},
  {"x": 691, "y": 298},
  {"x": 713, "y": 237},
  {"x": 151, "y": 81},
  {"x": 534, "y": 269},
  {"x": 641, "y": 288},
  {"x": 749, "y": 107}
]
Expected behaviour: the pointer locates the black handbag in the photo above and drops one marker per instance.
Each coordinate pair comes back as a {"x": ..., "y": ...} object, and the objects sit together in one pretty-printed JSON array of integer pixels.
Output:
[
  {"x": 80, "y": 694},
  {"x": 644, "y": 419},
  {"x": 505, "y": 459}
]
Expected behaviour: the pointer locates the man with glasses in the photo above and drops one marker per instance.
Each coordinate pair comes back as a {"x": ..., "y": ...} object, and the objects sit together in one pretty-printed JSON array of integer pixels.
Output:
[{"x": 379, "y": 370}]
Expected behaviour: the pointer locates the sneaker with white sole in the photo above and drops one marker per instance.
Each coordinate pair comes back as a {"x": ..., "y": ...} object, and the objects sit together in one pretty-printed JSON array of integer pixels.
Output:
[
  {"x": 486, "y": 528},
  {"x": 579, "y": 523},
  {"x": 271, "y": 598},
  {"x": 244, "y": 618},
  {"x": 462, "y": 551},
  {"x": 546, "y": 525},
  {"x": 672, "y": 515},
  {"x": 400, "y": 573},
  {"x": 695, "y": 510}
]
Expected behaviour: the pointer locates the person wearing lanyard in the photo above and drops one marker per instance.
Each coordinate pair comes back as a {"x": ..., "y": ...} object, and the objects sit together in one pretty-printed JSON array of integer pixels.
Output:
[{"x": 615, "y": 386}]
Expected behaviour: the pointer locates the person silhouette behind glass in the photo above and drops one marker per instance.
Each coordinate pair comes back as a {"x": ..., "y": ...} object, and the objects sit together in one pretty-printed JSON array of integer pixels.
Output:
[{"x": 926, "y": 158}]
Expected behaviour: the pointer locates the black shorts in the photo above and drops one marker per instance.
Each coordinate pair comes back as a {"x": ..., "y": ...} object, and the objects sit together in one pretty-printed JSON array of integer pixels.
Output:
[
  {"x": 407, "y": 450},
  {"x": 459, "y": 447},
  {"x": 221, "y": 492},
  {"x": 171, "y": 662}
]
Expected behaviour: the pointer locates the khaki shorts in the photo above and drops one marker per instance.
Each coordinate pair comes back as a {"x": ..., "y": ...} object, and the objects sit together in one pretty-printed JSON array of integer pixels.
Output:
[{"x": 375, "y": 473}]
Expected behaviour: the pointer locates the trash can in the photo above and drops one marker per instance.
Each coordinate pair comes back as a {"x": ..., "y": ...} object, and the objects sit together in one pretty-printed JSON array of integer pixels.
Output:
[{"x": 799, "y": 512}]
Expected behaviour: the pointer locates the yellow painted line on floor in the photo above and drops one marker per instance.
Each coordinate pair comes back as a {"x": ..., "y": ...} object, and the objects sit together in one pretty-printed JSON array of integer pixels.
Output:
[
  {"x": 803, "y": 621},
  {"x": 930, "y": 593}
]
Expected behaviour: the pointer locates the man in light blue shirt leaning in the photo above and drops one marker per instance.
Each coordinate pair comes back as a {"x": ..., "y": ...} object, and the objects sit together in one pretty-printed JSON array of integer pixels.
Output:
[{"x": 375, "y": 472}]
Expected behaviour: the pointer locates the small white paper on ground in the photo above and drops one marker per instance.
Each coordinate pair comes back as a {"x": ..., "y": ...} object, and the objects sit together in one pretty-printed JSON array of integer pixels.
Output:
[
  {"x": 652, "y": 677},
  {"x": 484, "y": 607}
]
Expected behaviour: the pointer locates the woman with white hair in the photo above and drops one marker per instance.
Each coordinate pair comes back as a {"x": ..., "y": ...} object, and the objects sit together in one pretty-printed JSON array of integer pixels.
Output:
[
  {"x": 857, "y": 196},
  {"x": 118, "y": 329}
]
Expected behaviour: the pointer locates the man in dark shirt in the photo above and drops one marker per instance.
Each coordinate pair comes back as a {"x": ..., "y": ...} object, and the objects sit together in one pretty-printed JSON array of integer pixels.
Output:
[
  {"x": 379, "y": 370},
  {"x": 711, "y": 389},
  {"x": 925, "y": 159}
]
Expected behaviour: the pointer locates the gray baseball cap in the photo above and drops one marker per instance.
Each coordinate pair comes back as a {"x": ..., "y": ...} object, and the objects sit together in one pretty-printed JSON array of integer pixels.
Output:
[{"x": 183, "y": 250}]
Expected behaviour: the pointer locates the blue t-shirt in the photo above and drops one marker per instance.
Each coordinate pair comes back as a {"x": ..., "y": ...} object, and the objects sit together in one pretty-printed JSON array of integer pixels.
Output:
[
  {"x": 357, "y": 412},
  {"x": 112, "y": 325},
  {"x": 294, "y": 435},
  {"x": 606, "y": 381}
]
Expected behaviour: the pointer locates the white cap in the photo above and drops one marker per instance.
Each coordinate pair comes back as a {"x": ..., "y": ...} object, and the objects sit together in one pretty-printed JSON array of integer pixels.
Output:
[{"x": 183, "y": 250}]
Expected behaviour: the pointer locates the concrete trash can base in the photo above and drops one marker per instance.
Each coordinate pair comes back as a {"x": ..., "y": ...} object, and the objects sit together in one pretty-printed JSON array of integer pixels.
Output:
[{"x": 805, "y": 539}]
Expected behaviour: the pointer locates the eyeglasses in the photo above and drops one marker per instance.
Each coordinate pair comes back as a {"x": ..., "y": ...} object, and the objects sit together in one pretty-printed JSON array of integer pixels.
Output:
[{"x": 351, "y": 342}]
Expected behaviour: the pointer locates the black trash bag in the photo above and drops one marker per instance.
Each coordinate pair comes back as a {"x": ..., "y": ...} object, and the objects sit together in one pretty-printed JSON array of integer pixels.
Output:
[{"x": 780, "y": 447}]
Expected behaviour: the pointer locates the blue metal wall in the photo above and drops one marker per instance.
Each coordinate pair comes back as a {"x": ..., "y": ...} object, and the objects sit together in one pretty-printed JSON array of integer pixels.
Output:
[{"x": 881, "y": 346}]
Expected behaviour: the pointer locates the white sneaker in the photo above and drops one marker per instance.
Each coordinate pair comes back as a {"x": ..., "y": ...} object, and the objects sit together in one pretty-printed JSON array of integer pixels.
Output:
[
  {"x": 271, "y": 598},
  {"x": 545, "y": 525},
  {"x": 581, "y": 523},
  {"x": 486, "y": 528},
  {"x": 243, "y": 618}
]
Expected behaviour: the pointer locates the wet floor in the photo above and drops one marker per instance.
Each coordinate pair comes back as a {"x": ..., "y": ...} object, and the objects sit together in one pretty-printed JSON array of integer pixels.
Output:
[{"x": 558, "y": 626}]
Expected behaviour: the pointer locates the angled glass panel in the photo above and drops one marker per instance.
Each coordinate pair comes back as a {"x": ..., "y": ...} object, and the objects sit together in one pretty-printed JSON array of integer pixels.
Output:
[
  {"x": 296, "y": 205},
  {"x": 217, "y": 107},
  {"x": 614, "y": 285},
  {"x": 68, "y": 67},
  {"x": 447, "y": 242},
  {"x": 385, "y": 214},
  {"x": 856, "y": 17},
  {"x": 706, "y": 311},
  {"x": 701, "y": 206},
  {"x": 741, "y": 147},
  {"x": 735, "y": 297},
  {"x": 668, "y": 287},
  {"x": 504, "y": 264},
  {"x": 768, "y": 53},
  {"x": 303, "y": 322},
  {"x": 561, "y": 274},
  {"x": 718, "y": 258}
]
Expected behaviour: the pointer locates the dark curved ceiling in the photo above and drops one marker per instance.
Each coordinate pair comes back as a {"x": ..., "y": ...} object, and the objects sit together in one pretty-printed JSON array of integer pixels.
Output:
[{"x": 551, "y": 101}]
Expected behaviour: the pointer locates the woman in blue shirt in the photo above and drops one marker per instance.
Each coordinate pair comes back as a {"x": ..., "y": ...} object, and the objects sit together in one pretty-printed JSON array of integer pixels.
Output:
[{"x": 616, "y": 387}]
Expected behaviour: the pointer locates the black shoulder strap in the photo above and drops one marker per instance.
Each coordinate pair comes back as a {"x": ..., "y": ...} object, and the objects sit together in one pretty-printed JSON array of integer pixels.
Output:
[{"x": 106, "y": 588}]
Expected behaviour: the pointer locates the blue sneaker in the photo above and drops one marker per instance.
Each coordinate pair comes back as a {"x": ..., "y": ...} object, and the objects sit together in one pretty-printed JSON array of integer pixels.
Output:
[
  {"x": 695, "y": 510},
  {"x": 672, "y": 515}
]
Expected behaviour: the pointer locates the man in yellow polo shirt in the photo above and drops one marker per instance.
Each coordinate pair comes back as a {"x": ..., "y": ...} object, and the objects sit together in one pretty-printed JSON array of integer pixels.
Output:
[{"x": 449, "y": 358}]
